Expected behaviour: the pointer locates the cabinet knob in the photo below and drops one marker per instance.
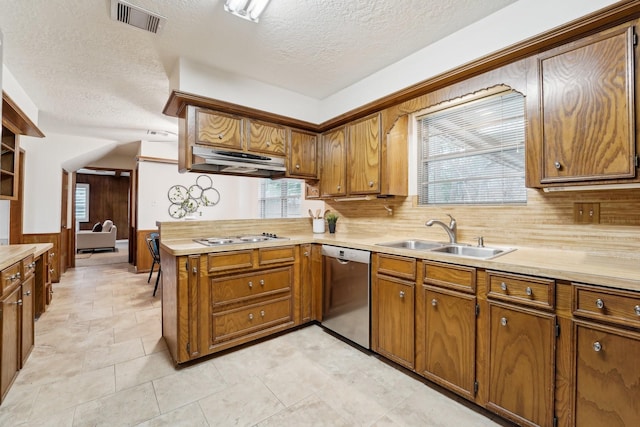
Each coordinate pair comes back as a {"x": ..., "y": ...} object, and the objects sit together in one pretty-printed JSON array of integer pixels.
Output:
[
  {"x": 557, "y": 165},
  {"x": 338, "y": 187},
  {"x": 597, "y": 346},
  {"x": 637, "y": 309},
  {"x": 297, "y": 166},
  {"x": 19, "y": 302},
  {"x": 503, "y": 321},
  {"x": 529, "y": 291},
  {"x": 250, "y": 316},
  {"x": 599, "y": 303},
  {"x": 370, "y": 184},
  {"x": 401, "y": 294},
  {"x": 434, "y": 302},
  {"x": 306, "y": 253},
  {"x": 250, "y": 285},
  {"x": 28, "y": 293},
  {"x": 220, "y": 136},
  {"x": 51, "y": 270},
  {"x": 503, "y": 286},
  {"x": 195, "y": 269},
  {"x": 261, "y": 282},
  {"x": 262, "y": 313}
]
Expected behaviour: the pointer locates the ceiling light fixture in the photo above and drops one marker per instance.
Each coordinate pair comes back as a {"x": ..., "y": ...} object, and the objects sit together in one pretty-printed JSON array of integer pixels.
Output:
[{"x": 246, "y": 9}]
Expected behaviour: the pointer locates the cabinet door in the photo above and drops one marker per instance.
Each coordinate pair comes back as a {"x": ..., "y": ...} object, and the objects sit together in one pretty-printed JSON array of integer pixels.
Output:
[
  {"x": 218, "y": 129},
  {"x": 364, "y": 156},
  {"x": 332, "y": 177},
  {"x": 587, "y": 107},
  {"x": 449, "y": 339},
  {"x": 9, "y": 165},
  {"x": 303, "y": 154},
  {"x": 266, "y": 138},
  {"x": 395, "y": 312},
  {"x": 27, "y": 318},
  {"x": 607, "y": 388},
  {"x": 10, "y": 349},
  {"x": 521, "y": 364},
  {"x": 306, "y": 284}
]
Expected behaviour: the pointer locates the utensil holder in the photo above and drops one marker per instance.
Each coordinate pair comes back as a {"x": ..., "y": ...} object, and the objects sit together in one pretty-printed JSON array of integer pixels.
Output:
[{"x": 318, "y": 225}]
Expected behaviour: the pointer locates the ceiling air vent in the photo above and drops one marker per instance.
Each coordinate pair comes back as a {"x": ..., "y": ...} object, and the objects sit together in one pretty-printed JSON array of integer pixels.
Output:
[{"x": 138, "y": 17}]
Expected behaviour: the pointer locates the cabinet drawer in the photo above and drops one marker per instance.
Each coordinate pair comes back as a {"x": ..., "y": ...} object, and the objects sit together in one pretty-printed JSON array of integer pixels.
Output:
[
  {"x": 524, "y": 290},
  {"x": 615, "y": 306},
  {"x": 397, "y": 266},
  {"x": 233, "y": 323},
  {"x": 222, "y": 261},
  {"x": 276, "y": 255},
  {"x": 10, "y": 276},
  {"x": 450, "y": 276},
  {"x": 28, "y": 267},
  {"x": 226, "y": 290}
]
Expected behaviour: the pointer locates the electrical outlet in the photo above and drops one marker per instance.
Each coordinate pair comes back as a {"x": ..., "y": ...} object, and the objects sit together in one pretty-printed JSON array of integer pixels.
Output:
[{"x": 586, "y": 213}]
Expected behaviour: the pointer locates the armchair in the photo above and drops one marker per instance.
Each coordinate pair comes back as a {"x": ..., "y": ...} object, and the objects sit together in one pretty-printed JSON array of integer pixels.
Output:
[{"x": 105, "y": 239}]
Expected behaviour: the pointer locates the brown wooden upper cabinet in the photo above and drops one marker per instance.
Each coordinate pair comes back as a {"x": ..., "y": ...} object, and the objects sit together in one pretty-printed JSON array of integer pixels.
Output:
[
  {"x": 303, "y": 158},
  {"x": 583, "y": 121},
  {"x": 266, "y": 138},
  {"x": 218, "y": 129},
  {"x": 363, "y": 156},
  {"x": 357, "y": 161},
  {"x": 9, "y": 165},
  {"x": 334, "y": 164}
]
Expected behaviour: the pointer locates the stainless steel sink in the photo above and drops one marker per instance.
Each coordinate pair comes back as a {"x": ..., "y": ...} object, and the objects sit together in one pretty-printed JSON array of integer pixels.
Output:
[
  {"x": 472, "y": 251},
  {"x": 413, "y": 244},
  {"x": 460, "y": 250}
]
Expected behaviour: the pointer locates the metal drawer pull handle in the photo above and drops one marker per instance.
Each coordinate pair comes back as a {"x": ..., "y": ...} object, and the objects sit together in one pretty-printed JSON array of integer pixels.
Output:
[
  {"x": 637, "y": 309},
  {"x": 401, "y": 294},
  {"x": 434, "y": 302},
  {"x": 599, "y": 303},
  {"x": 529, "y": 291},
  {"x": 250, "y": 285},
  {"x": 503, "y": 321},
  {"x": 503, "y": 286},
  {"x": 250, "y": 316},
  {"x": 597, "y": 346}
]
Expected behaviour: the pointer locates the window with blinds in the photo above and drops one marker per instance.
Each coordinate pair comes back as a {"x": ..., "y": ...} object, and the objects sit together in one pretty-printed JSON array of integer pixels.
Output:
[
  {"x": 280, "y": 198},
  {"x": 473, "y": 153},
  {"x": 82, "y": 202}
]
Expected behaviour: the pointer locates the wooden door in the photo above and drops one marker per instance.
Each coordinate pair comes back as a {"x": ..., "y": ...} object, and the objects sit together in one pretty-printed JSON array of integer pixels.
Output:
[
  {"x": 27, "y": 318},
  {"x": 363, "y": 159},
  {"x": 607, "y": 386},
  {"x": 521, "y": 364},
  {"x": 395, "y": 311},
  {"x": 303, "y": 154},
  {"x": 332, "y": 175},
  {"x": 10, "y": 349},
  {"x": 587, "y": 107},
  {"x": 449, "y": 339}
]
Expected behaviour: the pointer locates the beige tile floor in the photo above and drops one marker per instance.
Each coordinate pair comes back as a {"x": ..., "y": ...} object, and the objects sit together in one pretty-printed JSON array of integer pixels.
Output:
[{"x": 99, "y": 360}]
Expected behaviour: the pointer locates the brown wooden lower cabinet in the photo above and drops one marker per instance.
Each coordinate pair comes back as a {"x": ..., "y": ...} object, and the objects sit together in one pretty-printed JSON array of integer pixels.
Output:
[
  {"x": 521, "y": 364},
  {"x": 216, "y": 301},
  {"x": 10, "y": 345},
  {"x": 449, "y": 339}
]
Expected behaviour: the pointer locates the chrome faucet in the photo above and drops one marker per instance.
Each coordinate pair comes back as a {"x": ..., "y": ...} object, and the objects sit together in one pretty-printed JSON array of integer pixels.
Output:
[{"x": 451, "y": 229}]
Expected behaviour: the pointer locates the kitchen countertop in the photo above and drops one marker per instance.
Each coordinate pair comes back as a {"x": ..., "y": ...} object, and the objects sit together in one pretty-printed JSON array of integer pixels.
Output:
[
  {"x": 10, "y": 254},
  {"x": 575, "y": 266}
]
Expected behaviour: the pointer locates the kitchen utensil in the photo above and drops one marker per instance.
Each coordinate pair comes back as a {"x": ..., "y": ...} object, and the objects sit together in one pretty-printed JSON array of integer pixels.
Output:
[
  {"x": 311, "y": 214},
  {"x": 317, "y": 213}
]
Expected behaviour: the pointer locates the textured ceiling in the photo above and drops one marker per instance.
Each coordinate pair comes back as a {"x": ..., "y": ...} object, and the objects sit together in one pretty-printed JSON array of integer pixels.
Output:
[{"x": 92, "y": 76}]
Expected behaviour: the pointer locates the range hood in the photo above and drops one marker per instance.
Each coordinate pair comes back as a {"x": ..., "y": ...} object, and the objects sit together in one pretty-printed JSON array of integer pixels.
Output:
[{"x": 214, "y": 160}]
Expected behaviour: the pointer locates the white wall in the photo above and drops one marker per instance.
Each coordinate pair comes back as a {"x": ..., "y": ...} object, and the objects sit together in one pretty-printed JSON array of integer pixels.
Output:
[
  {"x": 238, "y": 195},
  {"x": 44, "y": 160},
  {"x": 4, "y": 222}
]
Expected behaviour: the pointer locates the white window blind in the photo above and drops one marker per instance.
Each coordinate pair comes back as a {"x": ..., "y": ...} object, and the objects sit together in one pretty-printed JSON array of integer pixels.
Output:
[
  {"x": 82, "y": 202},
  {"x": 280, "y": 198},
  {"x": 473, "y": 153}
]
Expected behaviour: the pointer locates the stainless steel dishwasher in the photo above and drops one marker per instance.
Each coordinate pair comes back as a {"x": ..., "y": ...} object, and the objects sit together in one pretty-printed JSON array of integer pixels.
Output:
[{"x": 346, "y": 293}]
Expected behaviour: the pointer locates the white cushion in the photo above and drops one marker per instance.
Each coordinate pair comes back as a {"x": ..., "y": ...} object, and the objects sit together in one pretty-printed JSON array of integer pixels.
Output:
[{"x": 106, "y": 226}]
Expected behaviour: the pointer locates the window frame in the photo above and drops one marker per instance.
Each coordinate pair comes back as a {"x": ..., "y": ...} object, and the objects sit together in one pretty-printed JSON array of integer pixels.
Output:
[{"x": 284, "y": 198}]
